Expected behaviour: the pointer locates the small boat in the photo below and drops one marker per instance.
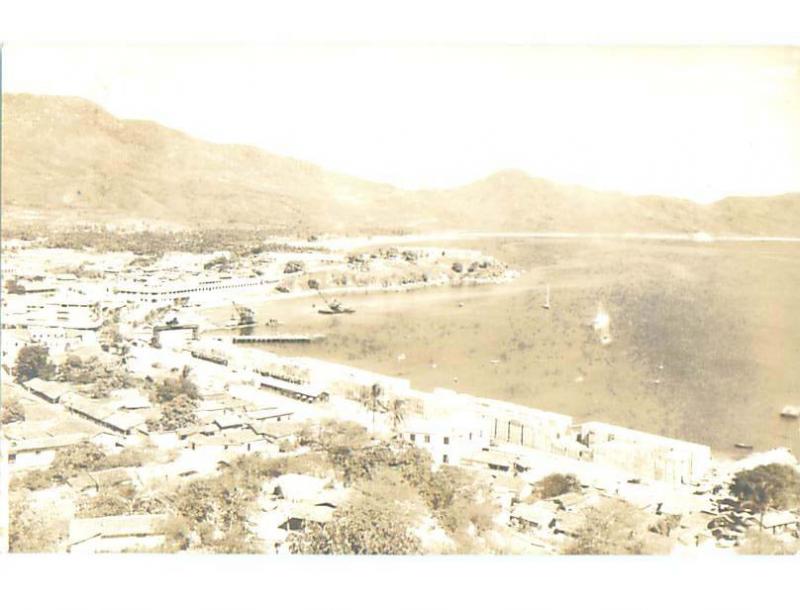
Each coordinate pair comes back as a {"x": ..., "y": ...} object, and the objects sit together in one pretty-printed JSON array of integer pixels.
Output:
[
  {"x": 335, "y": 307},
  {"x": 743, "y": 445},
  {"x": 790, "y": 412}
]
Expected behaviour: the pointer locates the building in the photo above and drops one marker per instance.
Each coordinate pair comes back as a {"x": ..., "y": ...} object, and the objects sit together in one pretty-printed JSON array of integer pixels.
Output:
[
  {"x": 299, "y": 391},
  {"x": 116, "y": 534},
  {"x": 51, "y": 391},
  {"x": 11, "y": 342},
  {"x": 105, "y": 413},
  {"x": 491, "y": 459},
  {"x": 645, "y": 455},
  {"x": 39, "y": 452},
  {"x": 447, "y": 439},
  {"x": 66, "y": 310},
  {"x": 778, "y": 522},
  {"x": 197, "y": 288},
  {"x": 174, "y": 336}
]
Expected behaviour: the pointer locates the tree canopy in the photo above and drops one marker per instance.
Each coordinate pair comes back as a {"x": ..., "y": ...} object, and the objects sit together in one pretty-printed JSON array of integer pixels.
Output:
[
  {"x": 364, "y": 527},
  {"x": 767, "y": 486},
  {"x": 34, "y": 361},
  {"x": 613, "y": 528},
  {"x": 177, "y": 413}
]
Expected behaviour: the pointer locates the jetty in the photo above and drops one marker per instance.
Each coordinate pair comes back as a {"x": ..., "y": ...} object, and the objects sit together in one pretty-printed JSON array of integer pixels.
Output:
[{"x": 278, "y": 338}]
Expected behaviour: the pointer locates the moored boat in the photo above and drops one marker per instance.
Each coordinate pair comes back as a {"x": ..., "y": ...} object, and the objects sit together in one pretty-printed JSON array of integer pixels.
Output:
[{"x": 791, "y": 412}]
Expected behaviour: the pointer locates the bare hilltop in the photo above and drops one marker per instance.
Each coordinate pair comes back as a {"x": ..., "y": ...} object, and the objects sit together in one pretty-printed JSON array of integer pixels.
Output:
[{"x": 66, "y": 158}]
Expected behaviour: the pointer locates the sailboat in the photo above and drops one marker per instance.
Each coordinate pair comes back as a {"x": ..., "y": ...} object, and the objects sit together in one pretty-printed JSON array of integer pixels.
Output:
[{"x": 546, "y": 304}]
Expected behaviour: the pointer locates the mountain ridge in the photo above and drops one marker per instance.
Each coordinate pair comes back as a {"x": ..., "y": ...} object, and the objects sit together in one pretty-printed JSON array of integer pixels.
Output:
[{"x": 68, "y": 157}]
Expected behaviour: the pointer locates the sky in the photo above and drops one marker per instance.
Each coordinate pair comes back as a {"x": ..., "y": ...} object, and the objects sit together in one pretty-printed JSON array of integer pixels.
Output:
[{"x": 692, "y": 122}]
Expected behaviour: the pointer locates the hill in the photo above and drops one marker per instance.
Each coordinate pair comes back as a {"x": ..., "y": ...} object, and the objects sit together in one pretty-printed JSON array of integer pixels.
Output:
[{"x": 68, "y": 159}]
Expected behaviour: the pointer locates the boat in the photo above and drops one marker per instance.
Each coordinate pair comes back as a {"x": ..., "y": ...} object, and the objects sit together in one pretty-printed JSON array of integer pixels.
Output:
[
  {"x": 743, "y": 445},
  {"x": 546, "y": 304},
  {"x": 335, "y": 307},
  {"x": 242, "y": 317},
  {"x": 790, "y": 412}
]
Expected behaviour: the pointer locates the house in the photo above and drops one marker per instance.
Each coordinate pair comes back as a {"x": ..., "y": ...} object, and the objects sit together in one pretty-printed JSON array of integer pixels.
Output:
[
  {"x": 277, "y": 432},
  {"x": 302, "y": 514},
  {"x": 112, "y": 443},
  {"x": 92, "y": 482},
  {"x": 780, "y": 521},
  {"x": 227, "y": 421},
  {"x": 116, "y": 534},
  {"x": 448, "y": 439},
  {"x": 539, "y": 514},
  {"x": 51, "y": 391},
  {"x": 105, "y": 413},
  {"x": 276, "y": 415},
  {"x": 41, "y": 451},
  {"x": 298, "y": 487}
]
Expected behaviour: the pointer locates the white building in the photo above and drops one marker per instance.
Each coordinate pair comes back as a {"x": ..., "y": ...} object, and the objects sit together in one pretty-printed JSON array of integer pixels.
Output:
[
  {"x": 647, "y": 455},
  {"x": 447, "y": 439}
]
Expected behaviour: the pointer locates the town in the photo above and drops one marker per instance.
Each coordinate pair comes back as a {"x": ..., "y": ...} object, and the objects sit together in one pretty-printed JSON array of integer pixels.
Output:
[{"x": 143, "y": 412}]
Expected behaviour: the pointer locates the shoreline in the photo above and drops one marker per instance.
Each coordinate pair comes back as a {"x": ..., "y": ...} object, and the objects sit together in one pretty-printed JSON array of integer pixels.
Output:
[{"x": 507, "y": 277}]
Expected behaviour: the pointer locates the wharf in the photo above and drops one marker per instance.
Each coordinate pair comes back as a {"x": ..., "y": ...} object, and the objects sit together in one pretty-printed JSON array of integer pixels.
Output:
[{"x": 277, "y": 338}]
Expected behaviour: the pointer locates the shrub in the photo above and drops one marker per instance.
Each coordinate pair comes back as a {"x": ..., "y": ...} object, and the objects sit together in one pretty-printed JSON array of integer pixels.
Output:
[{"x": 556, "y": 485}]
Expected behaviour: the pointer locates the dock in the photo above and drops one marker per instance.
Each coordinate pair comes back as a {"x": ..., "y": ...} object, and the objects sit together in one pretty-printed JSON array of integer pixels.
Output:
[{"x": 277, "y": 338}]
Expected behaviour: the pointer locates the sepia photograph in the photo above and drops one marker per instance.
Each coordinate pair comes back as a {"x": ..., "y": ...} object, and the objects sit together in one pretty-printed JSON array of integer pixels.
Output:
[{"x": 342, "y": 298}]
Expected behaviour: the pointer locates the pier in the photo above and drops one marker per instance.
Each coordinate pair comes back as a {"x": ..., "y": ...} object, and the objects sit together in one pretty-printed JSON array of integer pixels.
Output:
[{"x": 277, "y": 338}]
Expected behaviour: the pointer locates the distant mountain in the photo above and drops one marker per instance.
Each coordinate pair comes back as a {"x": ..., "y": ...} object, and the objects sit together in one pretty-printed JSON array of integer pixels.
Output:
[{"x": 68, "y": 159}]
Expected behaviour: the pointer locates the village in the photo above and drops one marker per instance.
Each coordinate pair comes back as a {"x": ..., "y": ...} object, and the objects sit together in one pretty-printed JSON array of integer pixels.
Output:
[{"x": 133, "y": 420}]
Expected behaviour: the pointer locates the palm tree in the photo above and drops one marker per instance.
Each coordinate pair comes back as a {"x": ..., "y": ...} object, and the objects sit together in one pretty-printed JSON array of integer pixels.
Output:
[
  {"x": 371, "y": 399},
  {"x": 397, "y": 412}
]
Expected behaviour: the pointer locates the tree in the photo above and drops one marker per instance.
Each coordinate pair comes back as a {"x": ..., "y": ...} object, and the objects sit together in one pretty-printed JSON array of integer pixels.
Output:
[
  {"x": 177, "y": 413},
  {"x": 372, "y": 399},
  {"x": 767, "y": 486},
  {"x": 168, "y": 389},
  {"x": 557, "y": 484},
  {"x": 458, "y": 267},
  {"x": 611, "y": 528},
  {"x": 214, "y": 511},
  {"x": 363, "y": 527},
  {"x": 75, "y": 370},
  {"x": 28, "y": 530},
  {"x": 11, "y": 411},
  {"x": 34, "y": 361},
  {"x": 75, "y": 459}
]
